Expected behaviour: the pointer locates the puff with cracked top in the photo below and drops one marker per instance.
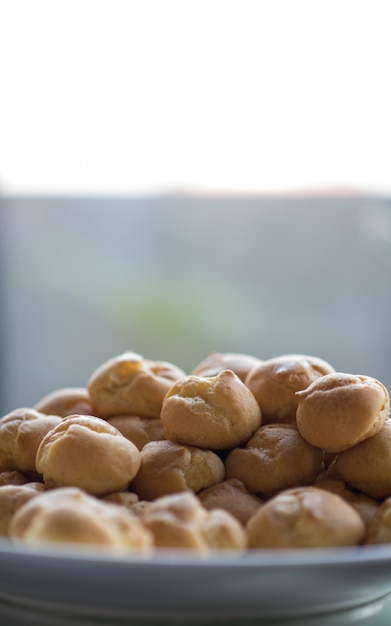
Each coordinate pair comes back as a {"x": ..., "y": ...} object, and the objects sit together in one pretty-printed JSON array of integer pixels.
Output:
[
  {"x": 275, "y": 381},
  {"x": 130, "y": 384},
  {"x": 180, "y": 521},
  {"x": 232, "y": 496},
  {"x": 339, "y": 410},
  {"x": 21, "y": 433},
  {"x": 86, "y": 452},
  {"x": 139, "y": 430},
  {"x": 169, "y": 467},
  {"x": 217, "y": 412}
]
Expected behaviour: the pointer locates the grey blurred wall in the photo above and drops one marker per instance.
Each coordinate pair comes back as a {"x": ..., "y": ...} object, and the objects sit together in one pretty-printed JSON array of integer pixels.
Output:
[{"x": 174, "y": 278}]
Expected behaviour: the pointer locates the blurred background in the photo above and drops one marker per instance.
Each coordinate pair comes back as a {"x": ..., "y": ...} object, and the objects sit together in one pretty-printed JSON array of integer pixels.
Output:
[{"x": 178, "y": 178}]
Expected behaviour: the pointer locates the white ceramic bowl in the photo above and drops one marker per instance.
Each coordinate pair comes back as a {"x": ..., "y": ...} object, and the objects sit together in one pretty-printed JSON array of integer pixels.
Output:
[{"x": 173, "y": 585}]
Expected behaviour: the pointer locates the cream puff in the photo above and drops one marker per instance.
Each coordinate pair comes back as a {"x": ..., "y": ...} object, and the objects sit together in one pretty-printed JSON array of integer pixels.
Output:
[
  {"x": 274, "y": 459},
  {"x": 86, "y": 452},
  {"x": 130, "y": 384},
  {"x": 70, "y": 516},
  {"x": 367, "y": 466},
  {"x": 139, "y": 430},
  {"x": 379, "y": 527},
  {"x": 215, "y": 362},
  {"x": 363, "y": 504},
  {"x": 232, "y": 496},
  {"x": 66, "y": 401},
  {"x": 217, "y": 412},
  {"x": 21, "y": 433},
  {"x": 13, "y": 477},
  {"x": 338, "y": 411},
  {"x": 274, "y": 383},
  {"x": 180, "y": 521},
  {"x": 305, "y": 517},
  {"x": 12, "y": 497},
  {"x": 169, "y": 467}
]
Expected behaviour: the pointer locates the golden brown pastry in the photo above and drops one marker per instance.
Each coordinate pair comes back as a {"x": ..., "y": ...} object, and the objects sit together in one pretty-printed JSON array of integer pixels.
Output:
[
  {"x": 232, "y": 496},
  {"x": 180, "y": 521},
  {"x": 275, "y": 382},
  {"x": 21, "y": 432},
  {"x": 87, "y": 452},
  {"x": 363, "y": 504},
  {"x": 139, "y": 430},
  {"x": 275, "y": 458},
  {"x": 128, "y": 500},
  {"x": 218, "y": 412},
  {"x": 168, "y": 467},
  {"x": 338, "y": 411},
  {"x": 123, "y": 498},
  {"x": 305, "y": 517},
  {"x": 68, "y": 515},
  {"x": 367, "y": 466},
  {"x": 66, "y": 401},
  {"x": 282, "y": 453},
  {"x": 11, "y": 499},
  {"x": 13, "y": 477},
  {"x": 329, "y": 458},
  {"x": 379, "y": 527},
  {"x": 240, "y": 364},
  {"x": 130, "y": 384}
]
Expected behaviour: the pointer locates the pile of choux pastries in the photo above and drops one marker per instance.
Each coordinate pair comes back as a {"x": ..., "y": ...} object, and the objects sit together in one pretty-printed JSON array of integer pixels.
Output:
[{"x": 241, "y": 454}]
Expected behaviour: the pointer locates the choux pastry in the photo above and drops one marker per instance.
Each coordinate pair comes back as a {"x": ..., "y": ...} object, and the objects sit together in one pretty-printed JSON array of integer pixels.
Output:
[
  {"x": 363, "y": 504},
  {"x": 180, "y": 521},
  {"x": 338, "y": 411},
  {"x": 169, "y": 467},
  {"x": 367, "y": 466},
  {"x": 139, "y": 430},
  {"x": 69, "y": 515},
  {"x": 130, "y": 384},
  {"x": 124, "y": 498},
  {"x": 240, "y": 364},
  {"x": 379, "y": 527},
  {"x": 87, "y": 452},
  {"x": 274, "y": 459},
  {"x": 274, "y": 383},
  {"x": 243, "y": 453},
  {"x": 232, "y": 496},
  {"x": 66, "y": 401},
  {"x": 127, "y": 499},
  {"x": 305, "y": 517},
  {"x": 21, "y": 432},
  {"x": 218, "y": 412},
  {"x": 13, "y": 477},
  {"x": 12, "y": 497}
]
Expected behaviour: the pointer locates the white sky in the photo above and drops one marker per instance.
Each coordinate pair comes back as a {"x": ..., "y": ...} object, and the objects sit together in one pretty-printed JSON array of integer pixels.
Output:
[{"x": 116, "y": 96}]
